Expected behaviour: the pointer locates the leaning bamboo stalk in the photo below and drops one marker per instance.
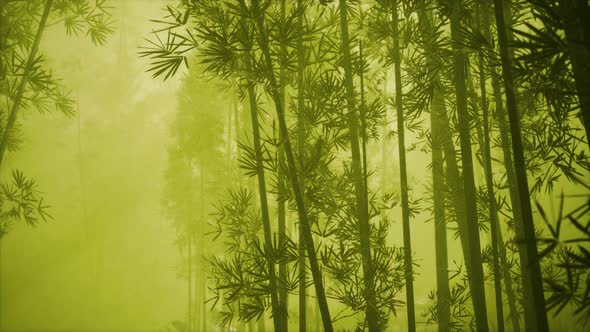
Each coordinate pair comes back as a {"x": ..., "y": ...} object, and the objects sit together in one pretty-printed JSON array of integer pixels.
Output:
[
  {"x": 24, "y": 81},
  {"x": 293, "y": 176}
]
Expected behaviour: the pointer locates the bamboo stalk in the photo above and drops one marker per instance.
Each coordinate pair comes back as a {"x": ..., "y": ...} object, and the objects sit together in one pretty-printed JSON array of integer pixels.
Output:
[
  {"x": 23, "y": 82},
  {"x": 293, "y": 176}
]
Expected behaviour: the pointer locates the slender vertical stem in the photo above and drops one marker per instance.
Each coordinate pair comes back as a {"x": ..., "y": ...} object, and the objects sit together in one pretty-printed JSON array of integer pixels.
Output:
[
  {"x": 476, "y": 278},
  {"x": 24, "y": 80},
  {"x": 293, "y": 176},
  {"x": 492, "y": 209},
  {"x": 408, "y": 270},
  {"x": 363, "y": 115},
  {"x": 539, "y": 323},
  {"x": 500, "y": 117},
  {"x": 263, "y": 200},
  {"x": 283, "y": 296},
  {"x": 301, "y": 152},
  {"x": 437, "y": 112},
  {"x": 372, "y": 313},
  {"x": 440, "y": 225}
]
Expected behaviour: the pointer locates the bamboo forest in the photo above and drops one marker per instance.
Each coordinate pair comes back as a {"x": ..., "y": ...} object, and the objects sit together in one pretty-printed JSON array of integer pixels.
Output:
[{"x": 294, "y": 165}]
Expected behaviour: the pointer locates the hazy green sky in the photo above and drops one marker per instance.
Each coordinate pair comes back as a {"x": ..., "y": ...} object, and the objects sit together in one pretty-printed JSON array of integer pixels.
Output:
[{"x": 108, "y": 260}]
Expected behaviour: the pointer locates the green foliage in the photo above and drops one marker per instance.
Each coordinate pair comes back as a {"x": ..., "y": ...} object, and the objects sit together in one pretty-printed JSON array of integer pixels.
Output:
[
  {"x": 255, "y": 48},
  {"x": 26, "y": 82},
  {"x": 20, "y": 201},
  {"x": 567, "y": 260}
]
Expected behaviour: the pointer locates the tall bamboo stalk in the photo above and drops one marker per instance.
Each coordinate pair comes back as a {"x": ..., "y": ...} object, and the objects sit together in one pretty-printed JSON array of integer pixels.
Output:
[
  {"x": 263, "y": 197},
  {"x": 453, "y": 175},
  {"x": 301, "y": 146},
  {"x": 437, "y": 109},
  {"x": 283, "y": 296},
  {"x": 293, "y": 175},
  {"x": 500, "y": 117},
  {"x": 539, "y": 319},
  {"x": 484, "y": 142},
  {"x": 372, "y": 314},
  {"x": 476, "y": 279},
  {"x": 24, "y": 80},
  {"x": 484, "y": 24},
  {"x": 408, "y": 271}
]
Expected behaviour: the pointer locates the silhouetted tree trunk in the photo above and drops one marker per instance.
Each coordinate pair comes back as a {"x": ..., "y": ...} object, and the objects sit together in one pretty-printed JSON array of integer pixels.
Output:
[
  {"x": 501, "y": 250},
  {"x": 363, "y": 114},
  {"x": 539, "y": 320},
  {"x": 476, "y": 280},
  {"x": 362, "y": 211},
  {"x": 408, "y": 271},
  {"x": 437, "y": 108},
  {"x": 277, "y": 314},
  {"x": 453, "y": 175},
  {"x": 301, "y": 146},
  {"x": 264, "y": 207},
  {"x": 483, "y": 133},
  {"x": 454, "y": 178},
  {"x": 283, "y": 296},
  {"x": 576, "y": 15},
  {"x": 293, "y": 176}
]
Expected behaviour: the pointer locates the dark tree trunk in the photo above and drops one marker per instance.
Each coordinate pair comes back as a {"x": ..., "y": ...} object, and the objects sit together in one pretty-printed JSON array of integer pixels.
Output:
[
  {"x": 538, "y": 321},
  {"x": 283, "y": 296},
  {"x": 576, "y": 18},
  {"x": 301, "y": 147},
  {"x": 476, "y": 279},
  {"x": 483, "y": 133},
  {"x": 408, "y": 271},
  {"x": 276, "y": 312},
  {"x": 501, "y": 250}
]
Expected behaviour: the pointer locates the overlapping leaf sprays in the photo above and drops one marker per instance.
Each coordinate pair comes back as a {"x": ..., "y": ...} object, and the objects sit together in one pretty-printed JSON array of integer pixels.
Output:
[{"x": 440, "y": 52}]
